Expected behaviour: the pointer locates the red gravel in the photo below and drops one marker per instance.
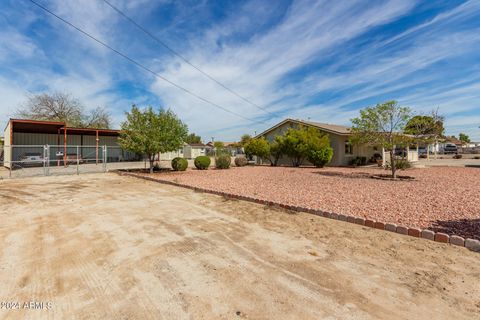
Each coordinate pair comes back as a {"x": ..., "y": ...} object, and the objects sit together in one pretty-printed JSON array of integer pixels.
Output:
[{"x": 442, "y": 199}]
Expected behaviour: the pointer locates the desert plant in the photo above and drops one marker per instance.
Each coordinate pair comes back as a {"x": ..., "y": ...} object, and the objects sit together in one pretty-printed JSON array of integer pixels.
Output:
[
  {"x": 241, "y": 161},
  {"x": 400, "y": 164},
  {"x": 319, "y": 158},
  {"x": 223, "y": 162},
  {"x": 179, "y": 164},
  {"x": 202, "y": 162}
]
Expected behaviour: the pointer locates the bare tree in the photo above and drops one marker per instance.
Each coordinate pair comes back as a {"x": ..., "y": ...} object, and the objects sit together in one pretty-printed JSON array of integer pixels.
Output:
[
  {"x": 97, "y": 118},
  {"x": 62, "y": 107}
]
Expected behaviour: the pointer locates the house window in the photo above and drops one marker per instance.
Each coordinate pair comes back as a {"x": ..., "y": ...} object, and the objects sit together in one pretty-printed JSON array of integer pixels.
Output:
[{"x": 348, "y": 147}]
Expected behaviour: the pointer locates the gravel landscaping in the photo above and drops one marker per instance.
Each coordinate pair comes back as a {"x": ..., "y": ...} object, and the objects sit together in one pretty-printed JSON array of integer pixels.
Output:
[{"x": 441, "y": 199}]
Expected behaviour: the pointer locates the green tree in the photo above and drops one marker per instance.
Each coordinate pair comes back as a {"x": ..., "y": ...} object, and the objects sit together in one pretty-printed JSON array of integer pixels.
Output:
[
  {"x": 193, "y": 138},
  {"x": 295, "y": 145},
  {"x": 319, "y": 151},
  {"x": 150, "y": 133},
  {"x": 464, "y": 138},
  {"x": 244, "y": 139},
  {"x": 257, "y": 147},
  {"x": 426, "y": 129},
  {"x": 382, "y": 125},
  {"x": 276, "y": 150}
]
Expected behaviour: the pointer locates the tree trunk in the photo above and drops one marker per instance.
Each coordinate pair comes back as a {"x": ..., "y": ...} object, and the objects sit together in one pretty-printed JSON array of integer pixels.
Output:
[
  {"x": 151, "y": 159},
  {"x": 393, "y": 164}
]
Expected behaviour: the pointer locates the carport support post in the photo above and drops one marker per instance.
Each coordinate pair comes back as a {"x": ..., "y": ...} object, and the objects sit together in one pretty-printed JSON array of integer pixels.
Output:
[
  {"x": 96, "y": 147},
  {"x": 65, "y": 146},
  {"x": 78, "y": 160},
  {"x": 105, "y": 158}
]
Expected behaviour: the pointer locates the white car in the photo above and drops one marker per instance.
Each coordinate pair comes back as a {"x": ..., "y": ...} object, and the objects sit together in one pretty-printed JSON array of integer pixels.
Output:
[{"x": 31, "y": 158}]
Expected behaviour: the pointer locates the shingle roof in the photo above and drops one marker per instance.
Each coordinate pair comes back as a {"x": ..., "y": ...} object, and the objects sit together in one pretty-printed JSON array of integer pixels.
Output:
[
  {"x": 332, "y": 128},
  {"x": 329, "y": 127}
]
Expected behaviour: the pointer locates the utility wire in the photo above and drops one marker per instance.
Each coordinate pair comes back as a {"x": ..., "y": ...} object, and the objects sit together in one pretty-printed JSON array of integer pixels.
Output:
[
  {"x": 185, "y": 59},
  {"x": 138, "y": 64}
]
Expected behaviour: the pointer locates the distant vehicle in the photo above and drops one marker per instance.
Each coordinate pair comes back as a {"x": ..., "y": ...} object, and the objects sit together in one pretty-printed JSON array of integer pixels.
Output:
[
  {"x": 450, "y": 149},
  {"x": 422, "y": 150},
  {"x": 30, "y": 159}
]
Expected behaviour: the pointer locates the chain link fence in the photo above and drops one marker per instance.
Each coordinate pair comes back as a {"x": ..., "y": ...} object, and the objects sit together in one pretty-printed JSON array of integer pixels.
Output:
[{"x": 45, "y": 160}]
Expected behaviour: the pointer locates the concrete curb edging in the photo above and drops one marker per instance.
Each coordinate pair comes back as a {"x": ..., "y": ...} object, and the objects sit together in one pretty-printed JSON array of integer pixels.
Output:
[{"x": 471, "y": 244}]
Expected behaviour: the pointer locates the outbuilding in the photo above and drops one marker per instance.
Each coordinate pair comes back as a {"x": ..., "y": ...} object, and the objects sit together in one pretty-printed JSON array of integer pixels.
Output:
[{"x": 56, "y": 142}]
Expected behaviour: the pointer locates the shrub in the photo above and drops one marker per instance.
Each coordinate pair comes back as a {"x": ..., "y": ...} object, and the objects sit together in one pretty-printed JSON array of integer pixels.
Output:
[
  {"x": 202, "y": 162},
  {"x": 223, "y": 162},
  {"x": 358, "y": 161},
  {"x": 423, "y": 156},
  {"x": 400, "y": 164},
  {"x": 457, "y": 156},
  {"x": 319, "y": 158},
  {"x": 179, "y": 164},
  {"x": 241, "y": 161},
  {"x": 476, "y": 157}
]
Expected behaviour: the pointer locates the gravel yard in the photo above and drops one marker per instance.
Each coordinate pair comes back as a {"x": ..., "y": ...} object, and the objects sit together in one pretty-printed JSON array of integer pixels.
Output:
[{"x": 442, "y": 199}]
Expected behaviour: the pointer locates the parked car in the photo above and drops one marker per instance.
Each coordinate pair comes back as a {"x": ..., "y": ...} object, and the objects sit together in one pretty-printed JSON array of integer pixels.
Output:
[
  {"x": 30, "y": 159},
  {"x": 450, "y": 149},
  {"x": 72, "y": 159}
]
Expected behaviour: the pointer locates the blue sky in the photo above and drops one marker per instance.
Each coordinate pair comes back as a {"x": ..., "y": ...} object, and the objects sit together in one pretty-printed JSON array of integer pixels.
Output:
[{"x": 322, "y": 60}]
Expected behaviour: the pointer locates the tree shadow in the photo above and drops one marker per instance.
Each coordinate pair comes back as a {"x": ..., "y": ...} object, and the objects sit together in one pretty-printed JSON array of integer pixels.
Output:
[
  {"x": 467, "y": 228},
  {"x": 352, "y": 175}
]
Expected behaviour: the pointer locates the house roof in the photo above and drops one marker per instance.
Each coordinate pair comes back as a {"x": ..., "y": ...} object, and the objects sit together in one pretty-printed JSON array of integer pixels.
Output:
[
  {"x": 40, "y": 126},
  {"x": 327, "y": 127},
  {"x": 196, "y": 145}
]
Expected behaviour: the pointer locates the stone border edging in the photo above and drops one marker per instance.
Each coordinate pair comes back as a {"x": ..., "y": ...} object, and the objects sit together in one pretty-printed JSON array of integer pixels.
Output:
[{"x": 471, "y": 244}]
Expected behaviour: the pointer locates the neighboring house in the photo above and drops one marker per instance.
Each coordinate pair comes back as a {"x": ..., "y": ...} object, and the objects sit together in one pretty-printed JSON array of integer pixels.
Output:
[
  {"x": 231, "y": 146},
  {"x": 193, "y": 150},
  {"x": 343, "y": 150}
]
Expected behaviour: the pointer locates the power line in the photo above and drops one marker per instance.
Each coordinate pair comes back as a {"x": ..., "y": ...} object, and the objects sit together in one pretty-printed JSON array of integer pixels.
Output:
[
  {"x": 138, "y": 64},
  {"x": 186, "y": 60}
]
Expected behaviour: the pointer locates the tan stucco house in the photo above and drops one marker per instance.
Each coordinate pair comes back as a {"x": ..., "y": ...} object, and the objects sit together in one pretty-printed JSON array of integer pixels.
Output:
[{"x": 343, "y": 151}]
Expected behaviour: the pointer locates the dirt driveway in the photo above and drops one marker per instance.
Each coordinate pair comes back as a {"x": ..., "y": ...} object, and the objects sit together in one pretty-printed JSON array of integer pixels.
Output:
[{"x": 109, "y": 247}]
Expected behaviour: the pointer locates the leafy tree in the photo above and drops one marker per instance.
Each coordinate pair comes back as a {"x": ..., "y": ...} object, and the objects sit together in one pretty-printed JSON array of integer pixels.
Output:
[
  {"x": 426, "y": 129},
  {"x": 295, "y": 145},
  {"x": 257, "y": 147},
  {"x": 218, "y": 145},
  {"x": 276, "y": 150},
  {"x": 150, "y": 133},
  {"x": 319, "y": 152},
  {"x": 193, "y": 138},
  {"x": 464, "y": 138},
  {"x": 244, "y": 140},
  {"x": 63, "y": 107},
  {"x": 382, "y": 125}
]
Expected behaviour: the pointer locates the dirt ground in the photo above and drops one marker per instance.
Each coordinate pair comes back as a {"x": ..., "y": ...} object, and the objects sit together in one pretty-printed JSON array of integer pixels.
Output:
[{"x": 109, "y": 247}]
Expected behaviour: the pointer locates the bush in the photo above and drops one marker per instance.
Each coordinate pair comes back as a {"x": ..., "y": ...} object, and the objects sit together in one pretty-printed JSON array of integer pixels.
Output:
[
  {"x": 476, "y": 157},
  {"x": 202, "y": 162},
  {"x": 457, "y": 156},
  {"x": 223, "y": 162},
  {"x": 358, "y": 161},
  {"x": 241, "y": 161},
  {"x": 400, "y": 164},
  {"x": 179, "y": 164},
  {"x": 423, "y": 156},
  {"x": 319, "y": 158}
]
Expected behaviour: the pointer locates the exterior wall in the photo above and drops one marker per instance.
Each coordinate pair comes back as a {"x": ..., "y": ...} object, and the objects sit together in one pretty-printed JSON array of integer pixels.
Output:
[
  {"x": 171, "y": 155},
  {"x": 190, "y": 152}
]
